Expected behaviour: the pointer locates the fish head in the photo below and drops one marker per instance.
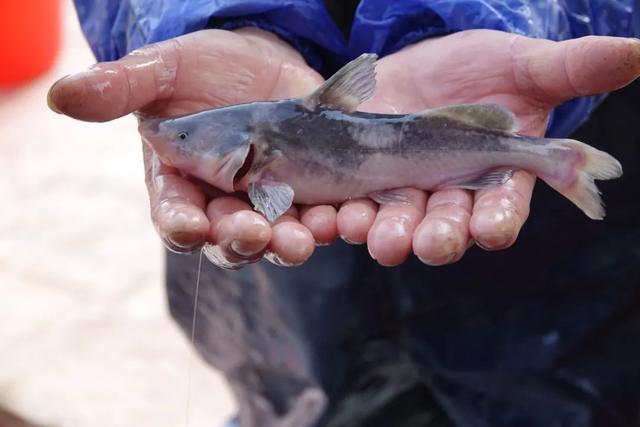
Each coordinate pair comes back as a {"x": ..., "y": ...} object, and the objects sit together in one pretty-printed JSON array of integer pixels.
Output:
[{"x": 212, "y": 150}]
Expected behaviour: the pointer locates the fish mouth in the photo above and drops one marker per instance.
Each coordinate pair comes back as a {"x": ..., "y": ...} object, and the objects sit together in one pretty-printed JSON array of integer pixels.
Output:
[{"x": 243, "y": 171}]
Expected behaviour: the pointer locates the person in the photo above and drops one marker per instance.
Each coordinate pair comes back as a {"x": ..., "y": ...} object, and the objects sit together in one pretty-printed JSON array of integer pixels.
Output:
[{"x": 545, "y": 333}]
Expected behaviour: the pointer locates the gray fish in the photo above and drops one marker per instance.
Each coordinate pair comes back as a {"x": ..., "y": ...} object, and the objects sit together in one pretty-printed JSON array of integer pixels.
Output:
[{"x": 319, "y": 149}]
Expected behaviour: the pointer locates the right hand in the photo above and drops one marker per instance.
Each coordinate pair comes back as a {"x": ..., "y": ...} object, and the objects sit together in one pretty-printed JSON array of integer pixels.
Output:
[{"x": 198, "y": 71}]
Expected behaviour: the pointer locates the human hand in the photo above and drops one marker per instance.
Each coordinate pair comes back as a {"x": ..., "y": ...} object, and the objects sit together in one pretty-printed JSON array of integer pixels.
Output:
[
  {"x": 202, "y": 70},
  {"x": 528, "y": 76}
]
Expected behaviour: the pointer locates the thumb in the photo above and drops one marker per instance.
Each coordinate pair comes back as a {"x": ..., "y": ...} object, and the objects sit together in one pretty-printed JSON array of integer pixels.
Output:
[
  {"x": 208, "y": 68},
  {"x": 554, "y": 72},
  {"x": 109, "y": 90}
]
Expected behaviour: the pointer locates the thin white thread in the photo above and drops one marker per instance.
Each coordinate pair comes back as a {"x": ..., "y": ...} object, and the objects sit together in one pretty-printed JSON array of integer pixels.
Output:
[{"x": 193, "y": 338}]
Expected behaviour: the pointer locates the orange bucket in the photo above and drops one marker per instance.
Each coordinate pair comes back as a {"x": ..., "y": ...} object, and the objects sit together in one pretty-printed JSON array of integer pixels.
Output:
[{"x": 29, "y": 39}]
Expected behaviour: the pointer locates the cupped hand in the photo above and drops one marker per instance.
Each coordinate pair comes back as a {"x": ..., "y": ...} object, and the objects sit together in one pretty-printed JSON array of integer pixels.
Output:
[
  {"x": 198, "y": 71},
  {"x": 215, "y": 68},
  {"x": 528, "y": 76}
]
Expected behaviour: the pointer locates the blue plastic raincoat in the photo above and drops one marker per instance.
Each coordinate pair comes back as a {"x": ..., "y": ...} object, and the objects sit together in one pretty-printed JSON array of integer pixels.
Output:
[
  {"x": 344, "y": 342},
  {"x": 115, "y": 27}
]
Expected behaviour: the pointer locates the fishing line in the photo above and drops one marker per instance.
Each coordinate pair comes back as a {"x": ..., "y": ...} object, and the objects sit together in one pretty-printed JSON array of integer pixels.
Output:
[{"x": 193, "y": 337}]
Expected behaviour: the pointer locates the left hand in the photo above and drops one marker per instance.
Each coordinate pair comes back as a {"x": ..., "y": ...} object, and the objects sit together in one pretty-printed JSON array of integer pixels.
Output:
[
  {"x": 194, "y": 72},
  {"x": 530, "y": 77}
]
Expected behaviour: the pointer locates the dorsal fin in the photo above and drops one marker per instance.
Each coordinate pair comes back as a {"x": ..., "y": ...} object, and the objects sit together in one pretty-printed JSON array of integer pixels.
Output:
[
  {"x": 349, "y": 87},
  {"x": 487, "y": 116}
]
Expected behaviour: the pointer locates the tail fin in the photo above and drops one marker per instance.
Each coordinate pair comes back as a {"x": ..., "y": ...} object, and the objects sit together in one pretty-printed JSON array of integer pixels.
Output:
[{"x": 583, "y": 191}]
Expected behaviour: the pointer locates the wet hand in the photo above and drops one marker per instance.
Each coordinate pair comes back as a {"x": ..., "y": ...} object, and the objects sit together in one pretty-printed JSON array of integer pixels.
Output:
[
  {"x": 194, "y": 72},
  {"x": 169, "y": 79},
  {"x": 528, "y": 76}
]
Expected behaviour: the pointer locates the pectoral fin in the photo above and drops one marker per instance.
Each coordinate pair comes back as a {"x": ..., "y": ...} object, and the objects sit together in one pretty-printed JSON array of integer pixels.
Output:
[
  {"x": 349, "y": 87},
  {"x": 487, "y": 116},
  {"x": 270, "y": 198}
]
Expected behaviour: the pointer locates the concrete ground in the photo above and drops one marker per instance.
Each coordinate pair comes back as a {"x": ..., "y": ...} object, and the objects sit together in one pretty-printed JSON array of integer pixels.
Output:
[{"x": 85, "y": 335}]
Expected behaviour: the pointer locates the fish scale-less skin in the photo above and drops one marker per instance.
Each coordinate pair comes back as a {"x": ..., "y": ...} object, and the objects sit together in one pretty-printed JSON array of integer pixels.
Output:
[
  {"x": 347, "y": 155},
  {"x": 319, "y": 149},
  {"x": 283, "y": 152}
]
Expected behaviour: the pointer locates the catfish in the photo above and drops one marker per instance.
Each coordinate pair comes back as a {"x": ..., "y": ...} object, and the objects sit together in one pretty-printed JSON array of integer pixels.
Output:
[{"x": 320, "y": 150}]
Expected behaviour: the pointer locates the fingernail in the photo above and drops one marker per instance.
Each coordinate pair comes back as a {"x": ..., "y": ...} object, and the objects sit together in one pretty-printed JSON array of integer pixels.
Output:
[
  {"x": 480, "y": 245},
  {"x": 50, "y": 101},
  {"x": 59, "y": 80},
  {"x": 184, "y": 242},
  {"x": 244, "y": 249},
  {"x": 52, "y": 106},
  {"x": 215, "y": 255},
  {"x": 438, "y": 262},
  {"x": 275, "y": 259},
  {"x": 373, "y": 257},
  {"x": 493, "y": 242},
  {"x": 349, "y": 241}
]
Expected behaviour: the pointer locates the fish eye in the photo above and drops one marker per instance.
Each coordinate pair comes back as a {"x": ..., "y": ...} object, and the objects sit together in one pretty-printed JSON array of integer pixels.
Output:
[{"x": 183, "y": 135}]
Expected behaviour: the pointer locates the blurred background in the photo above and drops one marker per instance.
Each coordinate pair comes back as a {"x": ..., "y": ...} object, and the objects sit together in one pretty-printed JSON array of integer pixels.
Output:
[{"x": 85, "y": 334}]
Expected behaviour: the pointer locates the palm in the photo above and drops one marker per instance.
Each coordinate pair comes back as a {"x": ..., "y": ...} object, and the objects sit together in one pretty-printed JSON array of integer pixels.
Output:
[
  {"x": 215, "y": 69},
  {"x": 530, "y": 77},
  {"x": 218, "y": 68},
  {"x": 471, "y": 67}
]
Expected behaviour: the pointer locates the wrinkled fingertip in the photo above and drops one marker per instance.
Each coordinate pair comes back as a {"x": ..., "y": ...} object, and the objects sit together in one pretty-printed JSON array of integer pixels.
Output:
[
  {"x": 494, "y": 228},
  {"x": 321, "y": 222},
  {"x": 292, "y": 242},
  {"x": 437, "y": 241},
  {"x": 244, "y": 233},
  {"x": 389, "y": 241},
  {"x": 218, "y": 257},
  {"x": 354, "y": 220},
  {"x": 182, "y": 227}
]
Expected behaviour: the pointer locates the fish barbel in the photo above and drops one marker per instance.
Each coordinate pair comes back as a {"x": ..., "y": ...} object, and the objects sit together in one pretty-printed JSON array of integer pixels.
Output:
[{"x": 319, "y": 149}]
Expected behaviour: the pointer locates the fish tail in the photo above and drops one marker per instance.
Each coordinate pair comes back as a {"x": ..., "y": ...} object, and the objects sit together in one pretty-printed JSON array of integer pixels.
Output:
[{"x": 586, "y": 164}]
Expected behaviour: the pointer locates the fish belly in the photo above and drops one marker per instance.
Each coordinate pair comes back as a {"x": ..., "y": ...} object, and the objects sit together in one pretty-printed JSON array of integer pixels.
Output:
[{"x": 326, "y": 183}]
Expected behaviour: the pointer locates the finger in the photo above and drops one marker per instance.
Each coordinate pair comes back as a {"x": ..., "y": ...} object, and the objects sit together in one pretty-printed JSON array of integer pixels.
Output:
[
  {"x": 112, "y": 89},
  {"x": 554, "y": 72},
  {"x": 443, "y": 235},
  {"x": 176, "y": 205},
  {"x": 390, "y": 237},
  {"x": 499, "y": 212},
  {"x": 241, "y": 234},
  {"x": 321, "y": 222},
  {"x": 109, "y": 90},
  {"x": 354, "y": 220},
  {"x": 291, "y": 242}
]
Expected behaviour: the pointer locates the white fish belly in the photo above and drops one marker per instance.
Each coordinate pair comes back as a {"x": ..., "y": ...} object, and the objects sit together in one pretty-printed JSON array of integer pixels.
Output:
[{"x": 332, "y": 184}]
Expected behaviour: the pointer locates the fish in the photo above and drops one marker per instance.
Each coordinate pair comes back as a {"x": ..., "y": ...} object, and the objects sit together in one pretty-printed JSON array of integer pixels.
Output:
[{"x": 319, "y": 149}]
